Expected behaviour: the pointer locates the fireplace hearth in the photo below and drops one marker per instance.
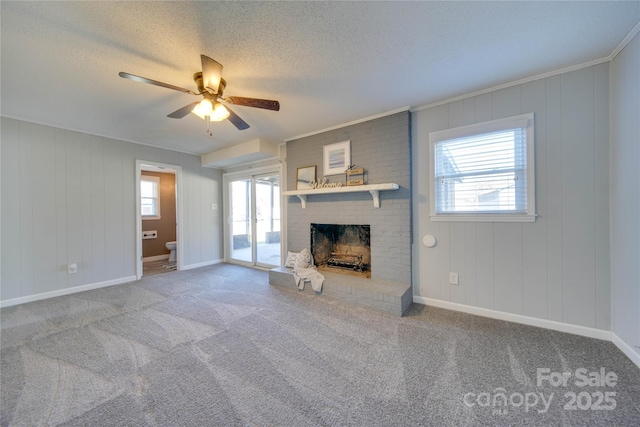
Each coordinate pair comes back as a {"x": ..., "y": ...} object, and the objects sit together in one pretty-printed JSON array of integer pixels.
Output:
[{"x": 342, "y": 248}]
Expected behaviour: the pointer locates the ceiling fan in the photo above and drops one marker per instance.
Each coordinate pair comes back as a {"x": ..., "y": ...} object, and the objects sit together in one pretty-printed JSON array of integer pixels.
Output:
[{"x": 211, "y": 86}]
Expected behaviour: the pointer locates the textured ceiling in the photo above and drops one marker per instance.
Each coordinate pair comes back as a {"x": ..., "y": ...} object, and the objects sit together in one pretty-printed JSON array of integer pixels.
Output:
[{"x": 327, "y": 63}]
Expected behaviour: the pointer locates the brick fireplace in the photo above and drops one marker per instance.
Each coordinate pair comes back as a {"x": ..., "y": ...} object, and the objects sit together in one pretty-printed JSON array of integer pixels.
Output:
[{"x": 381, "y": 146}]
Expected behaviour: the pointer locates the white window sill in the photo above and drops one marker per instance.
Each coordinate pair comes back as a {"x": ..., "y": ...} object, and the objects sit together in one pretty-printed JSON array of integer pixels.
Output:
[
  {"x": 150, "y": 217},
  {"x": 484, "y": 217}
]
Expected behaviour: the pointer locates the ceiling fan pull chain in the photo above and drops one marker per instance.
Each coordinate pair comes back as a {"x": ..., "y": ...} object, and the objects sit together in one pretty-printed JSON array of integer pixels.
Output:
[{"x": 208, "y": 120}]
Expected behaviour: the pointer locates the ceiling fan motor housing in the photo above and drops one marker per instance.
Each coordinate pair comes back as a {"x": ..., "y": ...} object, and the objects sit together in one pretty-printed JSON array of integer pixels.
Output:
[{"x": 197, "y": 77}]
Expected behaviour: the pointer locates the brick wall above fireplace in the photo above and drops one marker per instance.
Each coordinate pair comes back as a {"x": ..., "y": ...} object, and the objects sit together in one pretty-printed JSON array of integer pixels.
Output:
[{"x": 381, "y": 146}]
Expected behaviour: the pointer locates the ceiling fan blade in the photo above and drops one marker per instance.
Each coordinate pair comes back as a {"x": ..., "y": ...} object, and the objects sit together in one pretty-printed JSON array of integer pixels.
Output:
[
  {"x": 154, "y": 82},
  {"x": 211, "y": 73},
  {"x": 254, "y": 102},
  {"x": 236, "y": 120},
  {"x": 178, "y": 114}
]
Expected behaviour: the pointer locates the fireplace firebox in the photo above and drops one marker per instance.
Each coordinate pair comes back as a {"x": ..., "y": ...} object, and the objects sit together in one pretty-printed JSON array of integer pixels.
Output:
[{"x": 342, "y": 248}]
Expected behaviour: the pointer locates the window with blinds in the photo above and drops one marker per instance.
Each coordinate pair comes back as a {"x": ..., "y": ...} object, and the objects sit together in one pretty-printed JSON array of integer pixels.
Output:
[
  {"x": 484, "y": 171},
  {"x": 150, "y": 197}
]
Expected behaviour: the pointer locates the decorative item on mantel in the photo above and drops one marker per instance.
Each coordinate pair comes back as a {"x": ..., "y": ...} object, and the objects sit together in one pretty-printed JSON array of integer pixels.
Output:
[
  {"x": 325, "y": 187},
  {"x": 318, "y": 185},
  {"x": 336, "y": 158},
  {"x": 355, "y": 176},
  {"x": 305, "y": 177}
]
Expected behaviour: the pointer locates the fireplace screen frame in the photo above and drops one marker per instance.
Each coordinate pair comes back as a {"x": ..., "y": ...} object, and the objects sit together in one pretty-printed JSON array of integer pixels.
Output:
[{"x": 342, "y": 248}]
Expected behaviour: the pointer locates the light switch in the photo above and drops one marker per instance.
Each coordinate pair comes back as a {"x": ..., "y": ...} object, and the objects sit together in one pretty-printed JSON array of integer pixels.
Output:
[{"x": 453, "y": 278}]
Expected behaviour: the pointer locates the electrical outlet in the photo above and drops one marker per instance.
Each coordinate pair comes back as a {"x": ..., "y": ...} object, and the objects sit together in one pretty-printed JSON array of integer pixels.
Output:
[
  {"x": 214, "y": 206},
  {"x": 453, "y": 278},
  {"x": 72, "y": 268}
]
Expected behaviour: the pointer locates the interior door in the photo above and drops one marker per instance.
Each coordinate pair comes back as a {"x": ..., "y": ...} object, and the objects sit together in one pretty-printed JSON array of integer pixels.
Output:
[{"x": 254, "y": 219}]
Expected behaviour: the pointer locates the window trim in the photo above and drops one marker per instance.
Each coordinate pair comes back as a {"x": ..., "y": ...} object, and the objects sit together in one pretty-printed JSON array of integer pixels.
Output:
[
  {"x": 155, "y": 180},
  {"x": 476, "y": 129}
]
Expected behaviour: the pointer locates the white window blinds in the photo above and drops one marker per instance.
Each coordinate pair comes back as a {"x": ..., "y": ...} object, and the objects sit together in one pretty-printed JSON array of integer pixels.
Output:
[{"x": 483, "y": 169}]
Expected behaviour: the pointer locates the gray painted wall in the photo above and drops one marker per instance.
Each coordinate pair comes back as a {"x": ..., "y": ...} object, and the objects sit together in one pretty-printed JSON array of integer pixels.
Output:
[
  {"x": 381, "y": 146},
  {"x": 625, "y": 193},
  {"x": 558, "y": 267},
  {"x": 70, "y": 197}
]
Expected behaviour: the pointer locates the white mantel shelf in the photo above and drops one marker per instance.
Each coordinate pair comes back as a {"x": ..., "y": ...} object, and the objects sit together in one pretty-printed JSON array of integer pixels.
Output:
[{"x": 374, "y": 189}]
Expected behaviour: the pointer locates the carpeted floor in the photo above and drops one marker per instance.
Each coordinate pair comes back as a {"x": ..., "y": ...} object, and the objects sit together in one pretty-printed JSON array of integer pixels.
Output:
[{"x": 219, "y": 346}]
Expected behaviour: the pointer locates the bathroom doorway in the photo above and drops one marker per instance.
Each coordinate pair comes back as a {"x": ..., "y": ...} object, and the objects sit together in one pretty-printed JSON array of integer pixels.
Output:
[{"x": 158, "y": 202}]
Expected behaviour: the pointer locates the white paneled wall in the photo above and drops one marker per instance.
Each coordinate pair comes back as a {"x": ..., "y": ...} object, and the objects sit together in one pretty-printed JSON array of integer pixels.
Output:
[
  {"x": 70, "y": 197},
  {"x": 558, "y": 267},
  {"x": 625, "y": 197}
]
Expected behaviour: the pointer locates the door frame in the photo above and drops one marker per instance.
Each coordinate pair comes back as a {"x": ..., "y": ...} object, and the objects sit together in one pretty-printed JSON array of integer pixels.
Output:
[
  {"x": 249, "y": 173},
  {"x": 140, "y": 166}
]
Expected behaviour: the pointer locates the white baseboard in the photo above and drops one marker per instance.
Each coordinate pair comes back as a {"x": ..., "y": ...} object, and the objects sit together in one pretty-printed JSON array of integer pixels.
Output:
[
  {"x": 155, "y": 258},
  {"x": 630, "y": 351},
  {"x": 202, "y": 264},
  {"x": 88, "y": 287},
  {"x": 517, "y": 318},
  {"x": 66, "y": 291}
]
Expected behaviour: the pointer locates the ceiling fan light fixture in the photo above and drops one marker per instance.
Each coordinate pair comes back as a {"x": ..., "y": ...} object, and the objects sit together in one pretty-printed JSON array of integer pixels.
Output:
[
  {"x": 216, "y": 113},
  {"x": 219, "y": 113},
  {"x": 204, "y": 108}
]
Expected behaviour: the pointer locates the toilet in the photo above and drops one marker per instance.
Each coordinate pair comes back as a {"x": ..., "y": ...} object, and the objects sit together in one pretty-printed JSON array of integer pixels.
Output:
[{"x": 172, "y": 247}]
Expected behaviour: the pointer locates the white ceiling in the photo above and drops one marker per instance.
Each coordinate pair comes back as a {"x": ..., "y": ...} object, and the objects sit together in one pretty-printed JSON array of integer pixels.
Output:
[{"x": 327, "y": 63}]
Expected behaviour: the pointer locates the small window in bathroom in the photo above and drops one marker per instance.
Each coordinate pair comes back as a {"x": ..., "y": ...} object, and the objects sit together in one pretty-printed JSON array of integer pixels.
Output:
[{"x": 150, "y": 197}]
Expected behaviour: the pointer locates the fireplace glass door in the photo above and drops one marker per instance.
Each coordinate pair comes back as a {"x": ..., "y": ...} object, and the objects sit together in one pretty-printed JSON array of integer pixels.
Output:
[{"x": 254, "y": 226}]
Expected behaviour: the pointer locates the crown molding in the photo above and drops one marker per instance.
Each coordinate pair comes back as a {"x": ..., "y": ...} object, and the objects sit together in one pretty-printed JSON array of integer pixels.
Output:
[
  {"x": 355, "y": 122},
  {"x": 98, "y": 134},
  {"x": 514, "y": 83},
  {"x": 634, "y": 31},
  {"x": 625, "y": 41}
]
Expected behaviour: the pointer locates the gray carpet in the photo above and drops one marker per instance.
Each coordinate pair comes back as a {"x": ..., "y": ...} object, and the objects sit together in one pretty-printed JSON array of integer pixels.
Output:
[{"x": 219, "y": 346}]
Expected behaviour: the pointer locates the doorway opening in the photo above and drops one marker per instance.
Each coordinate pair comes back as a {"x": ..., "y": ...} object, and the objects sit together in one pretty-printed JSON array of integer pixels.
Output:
[
  {"x": 158, "y": 219},
  {"x": 253, "y": 234}
]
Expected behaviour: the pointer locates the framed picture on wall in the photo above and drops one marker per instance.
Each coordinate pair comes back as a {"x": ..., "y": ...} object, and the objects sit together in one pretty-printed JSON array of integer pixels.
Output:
[
  {"x": 337, "y": 158},
  {"x": 304, "y": 177}
]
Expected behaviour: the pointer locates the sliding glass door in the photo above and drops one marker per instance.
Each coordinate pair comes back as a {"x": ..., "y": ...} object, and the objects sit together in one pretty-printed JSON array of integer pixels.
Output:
[
  {"x": 267, "y": 190},
  {"x": 253, "y": 235},
  {"x": 241, "y": 229}
]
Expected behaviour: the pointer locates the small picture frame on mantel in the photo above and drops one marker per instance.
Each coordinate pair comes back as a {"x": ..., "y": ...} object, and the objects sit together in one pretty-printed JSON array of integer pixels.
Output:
[
  {"x": 337, "y": 158},
  {"x": 355, "y": 176},
  {"x": 304, "y": 177}
]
